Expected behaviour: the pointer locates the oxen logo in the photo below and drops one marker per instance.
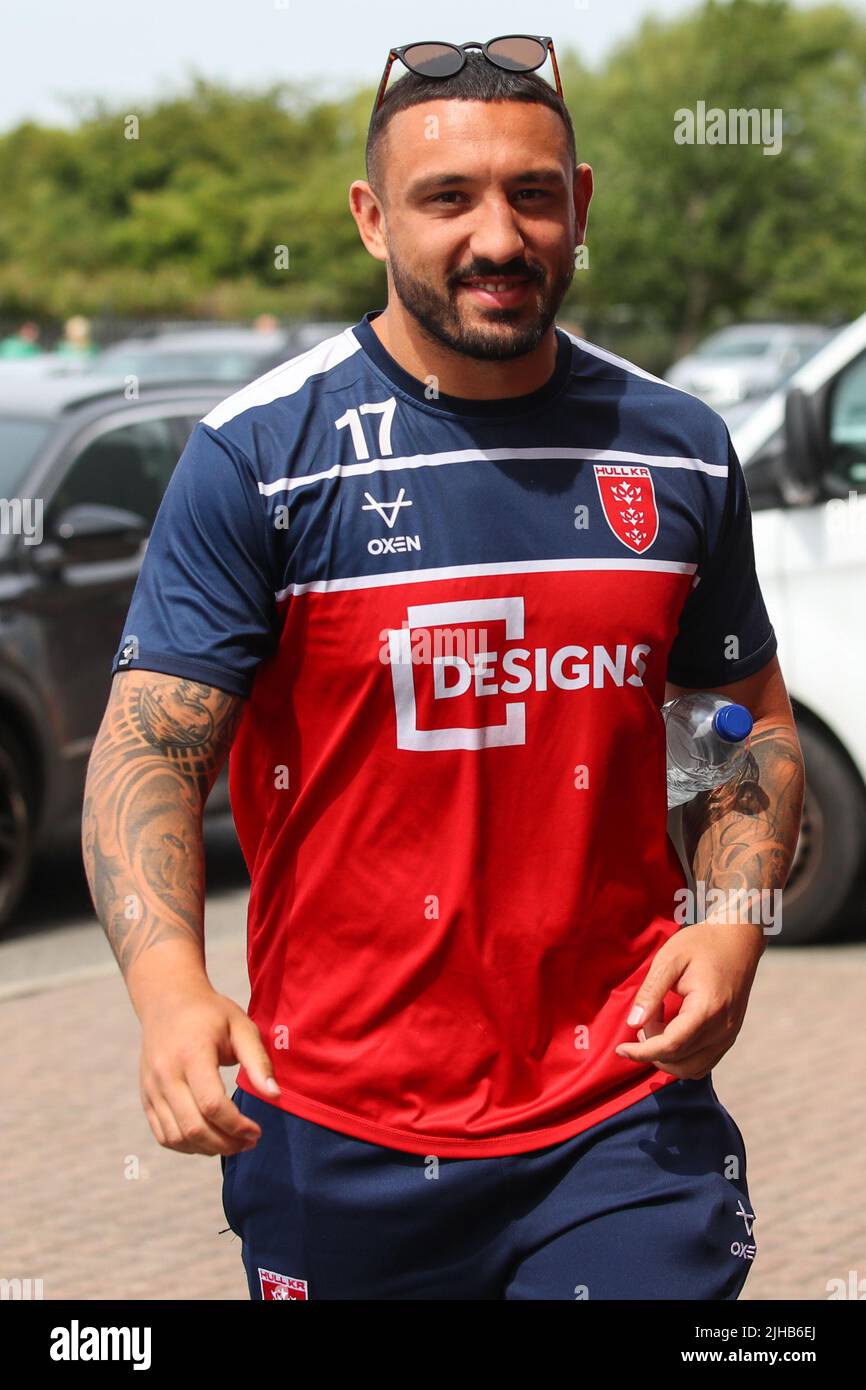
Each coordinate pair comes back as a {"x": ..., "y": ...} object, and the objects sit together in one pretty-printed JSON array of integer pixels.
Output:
[
  {"x": 629, "y": 503},
  {"x": 387, "y": 510}
]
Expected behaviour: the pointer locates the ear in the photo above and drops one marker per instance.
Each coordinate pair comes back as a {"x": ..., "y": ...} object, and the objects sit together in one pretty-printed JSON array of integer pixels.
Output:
[
  {"x": 583, "y": 188},
  {"x": 369, "y": 216}
]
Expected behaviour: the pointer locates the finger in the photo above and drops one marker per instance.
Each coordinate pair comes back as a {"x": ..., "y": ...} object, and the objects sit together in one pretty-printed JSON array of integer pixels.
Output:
[
  {"x": 156, "y": 1127},
  {"x": 208, "y": 1092},
  {"x": 669, "y": 1046},
  {"x": 195, "y": 1130},
  {"x": 250, "y": 1052},
  {"x": 694, "y": 1068},
  {"x": 661, "y": 977},
  {"x": 683, "y": 1035},
  {"x": 652, "y": 1026},
  {"x": 172, "y": 1137}
]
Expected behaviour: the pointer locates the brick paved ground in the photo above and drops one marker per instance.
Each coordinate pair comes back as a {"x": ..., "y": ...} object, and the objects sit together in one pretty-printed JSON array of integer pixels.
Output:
[{"x": 72, "y": 1120}]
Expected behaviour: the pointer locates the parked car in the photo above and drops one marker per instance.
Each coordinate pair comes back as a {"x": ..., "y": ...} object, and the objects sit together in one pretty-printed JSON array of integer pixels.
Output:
[
  {"x": 100, "y": 464},
  {"x": 212, "y": 353},
  {"x": 41, "y": 364},
  {"x": 746, "y": 361},
  {"x": 804, "y": 455}
]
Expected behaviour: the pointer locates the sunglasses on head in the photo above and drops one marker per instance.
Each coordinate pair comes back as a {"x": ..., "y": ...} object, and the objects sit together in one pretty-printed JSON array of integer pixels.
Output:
[{"x": 513, "y": 52}]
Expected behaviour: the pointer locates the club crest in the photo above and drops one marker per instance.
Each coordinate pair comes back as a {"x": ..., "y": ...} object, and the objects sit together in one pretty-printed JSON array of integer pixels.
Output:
[{"x": 629, "y": 502}]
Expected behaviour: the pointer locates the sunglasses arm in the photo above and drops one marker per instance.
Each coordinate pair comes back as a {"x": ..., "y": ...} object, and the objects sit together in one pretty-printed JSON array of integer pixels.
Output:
[
  {"x": 392, "y": 56},
  {"x": 555, "y": 68}
]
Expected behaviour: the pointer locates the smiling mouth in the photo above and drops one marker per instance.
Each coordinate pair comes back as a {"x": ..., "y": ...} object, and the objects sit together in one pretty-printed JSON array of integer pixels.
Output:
[{"x": 502, "y": 293}]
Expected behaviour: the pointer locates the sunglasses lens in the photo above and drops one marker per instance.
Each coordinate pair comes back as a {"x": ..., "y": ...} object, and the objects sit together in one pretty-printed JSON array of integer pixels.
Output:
[
  {"x": 518, "y": 54},
  {"x": 433, "y": 59}
]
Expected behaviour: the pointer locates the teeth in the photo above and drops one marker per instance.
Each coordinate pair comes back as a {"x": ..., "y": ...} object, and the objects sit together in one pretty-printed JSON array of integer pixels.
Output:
[{"x": 493, "y": 287}]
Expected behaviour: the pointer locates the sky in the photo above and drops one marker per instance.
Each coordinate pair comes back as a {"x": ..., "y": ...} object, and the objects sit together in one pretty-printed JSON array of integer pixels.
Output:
[{"x": 131, "y": 52}]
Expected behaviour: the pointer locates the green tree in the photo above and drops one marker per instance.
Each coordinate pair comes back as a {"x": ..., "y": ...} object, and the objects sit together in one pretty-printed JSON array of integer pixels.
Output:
[{"x": 187, "y": 218}]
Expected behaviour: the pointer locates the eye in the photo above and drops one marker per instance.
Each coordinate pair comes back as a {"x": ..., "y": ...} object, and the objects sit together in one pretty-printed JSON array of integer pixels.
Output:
[{"x": 454, "y": 193}]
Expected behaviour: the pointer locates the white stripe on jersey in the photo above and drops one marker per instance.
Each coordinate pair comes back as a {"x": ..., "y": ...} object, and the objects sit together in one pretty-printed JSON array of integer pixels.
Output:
[
  {"x": 287, "y": 378},
  {"x": 623, "y": 362},
  {"x": 558, "y": 453},
  {"x": 376, "y": 581}
]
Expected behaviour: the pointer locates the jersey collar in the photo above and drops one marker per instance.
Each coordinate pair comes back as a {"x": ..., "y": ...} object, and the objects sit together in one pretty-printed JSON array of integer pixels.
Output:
[{"x": 503, "y": 408}]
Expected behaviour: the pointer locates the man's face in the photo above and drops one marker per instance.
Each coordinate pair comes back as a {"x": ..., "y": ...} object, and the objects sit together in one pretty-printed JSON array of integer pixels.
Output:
[{"x": 480, "y": 221}]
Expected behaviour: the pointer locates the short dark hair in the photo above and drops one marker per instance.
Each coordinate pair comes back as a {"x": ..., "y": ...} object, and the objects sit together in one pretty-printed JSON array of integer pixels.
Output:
[{"x": 477, "y": 80}]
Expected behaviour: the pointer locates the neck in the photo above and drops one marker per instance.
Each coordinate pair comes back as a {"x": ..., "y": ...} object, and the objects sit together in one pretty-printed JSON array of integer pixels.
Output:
[{"x": 456, "y": 374}]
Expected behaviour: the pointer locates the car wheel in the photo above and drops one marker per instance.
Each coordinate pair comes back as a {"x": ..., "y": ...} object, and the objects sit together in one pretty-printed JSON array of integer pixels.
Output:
[
  {"x": 823, "y": 890},
  {"x": 16, "y": 823}
]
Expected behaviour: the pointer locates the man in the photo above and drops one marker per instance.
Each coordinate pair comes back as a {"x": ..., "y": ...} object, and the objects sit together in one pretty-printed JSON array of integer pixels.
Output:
[{"x": 427, "y": 582}]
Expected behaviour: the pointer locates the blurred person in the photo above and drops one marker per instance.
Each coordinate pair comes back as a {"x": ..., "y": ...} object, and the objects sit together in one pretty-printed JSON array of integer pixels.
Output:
[
  {"x": 266, "y": 323},
  {"x": 76, "y": 340},
  {"x": 23, "y": 343},
  {"x": 477, "y": 1059}
]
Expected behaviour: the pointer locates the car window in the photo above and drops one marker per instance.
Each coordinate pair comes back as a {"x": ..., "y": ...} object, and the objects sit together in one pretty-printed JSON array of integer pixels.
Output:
[
  {"x": 732, "y": 344},
  {"x": 126, "y": 467},
  {"x": 20, "y": 441},
  {"x": 186, "y": 424},
  {"x": 807, "y": 347},
  {"x": 215, "y": 364},
  {"x": 848, "y": 425},
  {"x": 793, "y": 352}
]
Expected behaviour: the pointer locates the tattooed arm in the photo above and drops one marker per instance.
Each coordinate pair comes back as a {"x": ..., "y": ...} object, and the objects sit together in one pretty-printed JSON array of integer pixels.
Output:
[
  {"x": 162, "y": 743},
  {"x": 738, "y": 838},
  {"x": 160, "y": 748}
]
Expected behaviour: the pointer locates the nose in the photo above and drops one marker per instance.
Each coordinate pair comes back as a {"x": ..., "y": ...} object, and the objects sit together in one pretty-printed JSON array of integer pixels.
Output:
[{"x": 496, "y": 235}]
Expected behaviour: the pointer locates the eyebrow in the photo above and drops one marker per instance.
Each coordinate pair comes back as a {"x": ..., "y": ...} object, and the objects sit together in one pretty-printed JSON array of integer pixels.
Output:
[{"x": 429, "y": 185}]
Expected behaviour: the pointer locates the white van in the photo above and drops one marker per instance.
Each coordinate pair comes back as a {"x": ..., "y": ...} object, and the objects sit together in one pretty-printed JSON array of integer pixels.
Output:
[{"x": 803, "y": 451}]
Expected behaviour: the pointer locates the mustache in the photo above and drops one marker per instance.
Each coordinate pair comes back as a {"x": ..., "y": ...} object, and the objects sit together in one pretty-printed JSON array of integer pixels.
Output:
[{"x": 482, "y": 272}]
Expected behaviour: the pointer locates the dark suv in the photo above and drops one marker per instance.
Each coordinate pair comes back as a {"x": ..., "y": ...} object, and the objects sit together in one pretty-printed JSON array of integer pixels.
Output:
[{"x": 82, "y": 473}]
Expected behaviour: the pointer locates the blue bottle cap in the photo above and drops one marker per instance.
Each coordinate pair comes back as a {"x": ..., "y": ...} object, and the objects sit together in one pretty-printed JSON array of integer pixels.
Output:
[{"x": 733, "y": 723}]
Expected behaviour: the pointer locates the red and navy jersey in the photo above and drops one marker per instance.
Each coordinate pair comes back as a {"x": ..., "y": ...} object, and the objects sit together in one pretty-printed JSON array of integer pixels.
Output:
[{"x": 452, "y": 620}]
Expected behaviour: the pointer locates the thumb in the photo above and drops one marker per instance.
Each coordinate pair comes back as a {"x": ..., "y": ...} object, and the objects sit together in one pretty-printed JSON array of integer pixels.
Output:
[
  {"x": 662, "y": 975},
  {"x": 250, "y": 1052}
]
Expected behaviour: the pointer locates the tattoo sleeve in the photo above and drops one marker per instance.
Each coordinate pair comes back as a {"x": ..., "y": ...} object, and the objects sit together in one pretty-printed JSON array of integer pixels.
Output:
[
  {"x": 742, "y": 835},
  {"x": 159, "y": 750}
]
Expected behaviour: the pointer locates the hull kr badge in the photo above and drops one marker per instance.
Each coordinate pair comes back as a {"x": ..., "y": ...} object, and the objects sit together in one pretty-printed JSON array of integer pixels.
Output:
[
  {"x": 281, "y": 1287},
  {"x": 629, "y": 503}
]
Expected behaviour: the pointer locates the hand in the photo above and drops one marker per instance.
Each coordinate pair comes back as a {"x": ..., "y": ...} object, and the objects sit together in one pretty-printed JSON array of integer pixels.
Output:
[
  {"x": 712, "y": 965},
  {"x": 186, "y": 1036}
]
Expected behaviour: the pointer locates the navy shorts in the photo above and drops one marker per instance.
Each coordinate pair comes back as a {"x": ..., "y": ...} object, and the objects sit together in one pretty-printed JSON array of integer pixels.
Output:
[{"x": 650, "y": 1203}]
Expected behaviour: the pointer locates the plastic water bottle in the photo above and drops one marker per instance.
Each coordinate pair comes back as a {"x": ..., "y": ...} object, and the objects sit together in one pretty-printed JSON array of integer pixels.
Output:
[{"x": 707, "y": 740}]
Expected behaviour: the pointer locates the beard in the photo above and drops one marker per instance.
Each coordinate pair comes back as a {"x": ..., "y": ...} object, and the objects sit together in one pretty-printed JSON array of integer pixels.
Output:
[{"x": 440, "y": 314}]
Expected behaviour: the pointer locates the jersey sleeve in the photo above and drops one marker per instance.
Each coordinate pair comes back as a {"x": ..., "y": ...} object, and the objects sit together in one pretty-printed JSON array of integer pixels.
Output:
[
  {"x": 725, "y": 633},
  {"x": 203, "y": 604}
]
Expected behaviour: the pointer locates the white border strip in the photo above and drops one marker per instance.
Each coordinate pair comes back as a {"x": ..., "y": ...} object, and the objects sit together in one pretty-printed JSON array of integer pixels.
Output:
[
  {"x": 616, "y": 361},
  {"x": 553, "y": 454},
  {"x": 287, "y": 378},
  {"x": 378, "y": 581}
]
